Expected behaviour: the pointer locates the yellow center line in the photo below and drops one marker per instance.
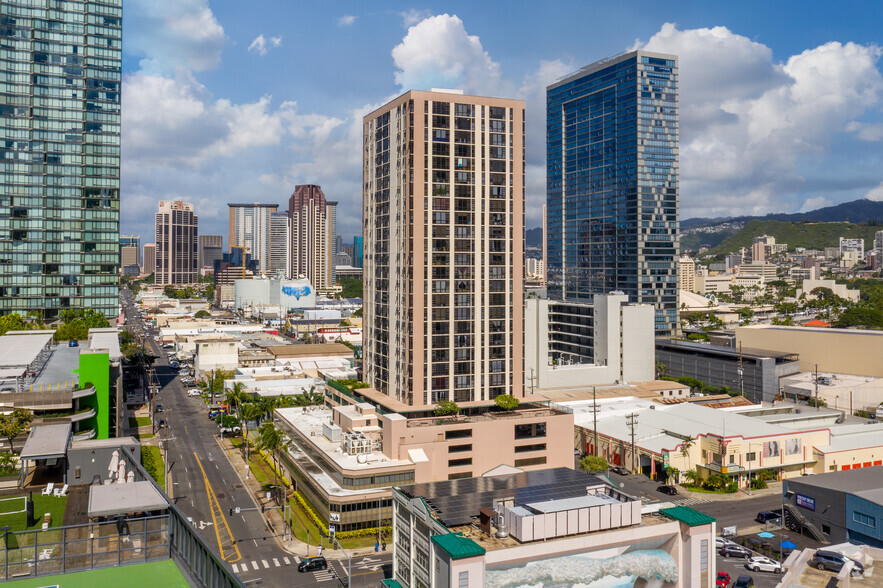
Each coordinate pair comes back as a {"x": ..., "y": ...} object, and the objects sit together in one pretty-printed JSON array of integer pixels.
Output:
[{"x": 213, "y": 503}]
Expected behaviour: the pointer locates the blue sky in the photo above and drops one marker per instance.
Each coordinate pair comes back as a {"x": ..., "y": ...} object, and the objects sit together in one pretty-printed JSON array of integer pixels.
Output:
[{"x": 781, "y": 102}]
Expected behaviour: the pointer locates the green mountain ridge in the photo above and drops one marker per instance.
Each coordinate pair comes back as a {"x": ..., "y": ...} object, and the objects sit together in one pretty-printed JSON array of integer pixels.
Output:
[{"x": 797, "y": 234}]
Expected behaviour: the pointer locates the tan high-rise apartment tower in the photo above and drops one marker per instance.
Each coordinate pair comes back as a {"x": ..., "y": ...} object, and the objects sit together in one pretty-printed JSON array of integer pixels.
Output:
[
  {"x": 443, "y": 216},
  {"x": 312, "y": 224},
  {"x": 176, "y": 244},
  {"x": 149, "y": 265}
]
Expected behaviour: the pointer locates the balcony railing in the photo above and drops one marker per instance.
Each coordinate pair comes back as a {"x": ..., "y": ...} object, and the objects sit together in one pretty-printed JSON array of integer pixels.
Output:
[{"x": 44, "y": 399}]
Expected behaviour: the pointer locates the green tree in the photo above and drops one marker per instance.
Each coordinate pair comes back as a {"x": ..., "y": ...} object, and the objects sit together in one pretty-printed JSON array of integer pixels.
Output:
[
  {"x": 76, "y": 324},
  {"x": 249, "y": 412},
  {"x": 271, "y": 441},
  {"x": 235, "y": 396},
  {"x": 506, "y": 402},
  {"x": 15, "y": 423},
  {"x": 593, "y": 463},
  {"x": 202, "y": 314},
  {"x": 446, "y": 407},
  {"x": 352, "y": 287},
  {"x": 210, "y": 292},
  {"x": 308, "y": 398},
  {"x": 671, "y": 474},
  {"x": 693, "y": 476}
]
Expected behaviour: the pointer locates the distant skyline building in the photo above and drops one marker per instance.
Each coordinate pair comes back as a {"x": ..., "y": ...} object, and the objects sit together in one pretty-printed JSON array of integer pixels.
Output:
[
  {"x": 208, "y": 242},
  {"x": 129, "y": 257},
  {"x": 176, "y": 244},
  {"x": 443, "y": 227},
  {"x": 250, "y": 227},
  {"x": 856, "y": 245},
  {"x": 357, "y": 250},
  {"x": 131, "y": 241},
  {"x": 686, "y": 274},
  {"x": 149, "y": 265},
  {"x": 313, "y": 222},
  {"x": 280, "y": 243},
  {"x": 60, "y": 182},
  {"x": 612, "y": 183}
]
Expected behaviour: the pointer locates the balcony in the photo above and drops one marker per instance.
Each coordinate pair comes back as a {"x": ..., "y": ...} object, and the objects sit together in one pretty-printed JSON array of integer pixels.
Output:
[{"x": 44, "y": 399}]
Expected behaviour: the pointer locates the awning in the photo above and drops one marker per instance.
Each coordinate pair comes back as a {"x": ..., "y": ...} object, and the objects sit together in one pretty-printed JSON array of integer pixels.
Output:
[
  {"x": 47, "y": 442},
  {"x": 122, "y": 499}
]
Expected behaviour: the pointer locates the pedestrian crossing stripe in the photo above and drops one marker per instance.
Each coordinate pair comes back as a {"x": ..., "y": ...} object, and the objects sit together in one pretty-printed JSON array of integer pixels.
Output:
[
  {"x": 325, "y": 575},
  {"x": 257, "y": 564}
]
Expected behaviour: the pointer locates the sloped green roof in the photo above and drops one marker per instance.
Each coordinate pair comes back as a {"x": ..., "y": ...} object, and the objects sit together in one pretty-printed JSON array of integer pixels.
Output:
[
  {"x": 687, "y": 515},
  {"x": 458, "y": 546},
  {"x": 391, "y": 583}
]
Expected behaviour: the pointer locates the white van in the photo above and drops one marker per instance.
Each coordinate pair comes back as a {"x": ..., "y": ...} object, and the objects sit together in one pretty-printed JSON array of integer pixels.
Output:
[{"x": 880, "y": 412}]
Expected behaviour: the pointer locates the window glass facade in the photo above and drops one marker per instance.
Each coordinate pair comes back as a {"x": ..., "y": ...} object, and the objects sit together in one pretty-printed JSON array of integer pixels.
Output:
[
  {"x": 60, "y": 155},
  {"x": 612, "y": 183}
]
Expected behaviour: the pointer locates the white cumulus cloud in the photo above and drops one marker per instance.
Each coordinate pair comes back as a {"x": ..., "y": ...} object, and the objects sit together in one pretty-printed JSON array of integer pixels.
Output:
[
  {"x": 347, "y": 20},
  {"x": 261, "y": 44},
  {"x": 876, "y": 194},
  {"x": 437, "y": 52},
  {"x": 748, "y": 123}
]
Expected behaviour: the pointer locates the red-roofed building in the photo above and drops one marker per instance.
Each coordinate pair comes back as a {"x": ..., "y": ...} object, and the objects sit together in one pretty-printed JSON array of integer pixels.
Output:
[{"x": 816, "y": 323}]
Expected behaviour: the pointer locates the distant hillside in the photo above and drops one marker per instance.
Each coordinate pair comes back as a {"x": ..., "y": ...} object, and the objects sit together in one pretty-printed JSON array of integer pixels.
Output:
[
  {"x": 694, "y": 241},
  {"x": 857, "y": 211},
  {"x": 809, "y": 235},
  {"x": 533, "y": 237}
]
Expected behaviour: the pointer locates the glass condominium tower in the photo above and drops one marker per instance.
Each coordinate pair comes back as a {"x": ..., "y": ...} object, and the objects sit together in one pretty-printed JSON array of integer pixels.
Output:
[
  {"x": 60, "y": 67},
  {"x": 612, "y": 182}
]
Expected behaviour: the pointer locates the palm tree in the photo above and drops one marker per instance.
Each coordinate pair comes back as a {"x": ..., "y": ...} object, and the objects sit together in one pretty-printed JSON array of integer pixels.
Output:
[
  {"x": 309, "y": 398},
  {"x": 271, "y": 440},
  {"x": 235, "y": 396},
  {"x": 685, "y": 448},
  {"x": 248, "y": 411}
]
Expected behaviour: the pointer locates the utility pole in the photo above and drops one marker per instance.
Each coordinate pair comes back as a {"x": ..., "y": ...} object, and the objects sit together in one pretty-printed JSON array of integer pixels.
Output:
[
  {"x": 595, "y": 421},
  {"x": 741, "y": 373},
  {"x": 632, "y": 421}
]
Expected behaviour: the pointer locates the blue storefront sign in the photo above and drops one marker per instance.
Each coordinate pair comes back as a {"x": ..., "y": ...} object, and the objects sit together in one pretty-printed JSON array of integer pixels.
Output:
[{"x": 806, "y": 502}]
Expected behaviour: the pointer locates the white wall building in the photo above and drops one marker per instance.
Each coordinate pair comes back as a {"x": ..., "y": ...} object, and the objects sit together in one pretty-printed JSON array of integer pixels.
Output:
[
  {"x": 839, "y": 289},
  {"x": 857, "y": 245},
  {"x": 584, "y": 344},
  {"x": 215, "y": 353},
  {"x": 290, "y": 294}
]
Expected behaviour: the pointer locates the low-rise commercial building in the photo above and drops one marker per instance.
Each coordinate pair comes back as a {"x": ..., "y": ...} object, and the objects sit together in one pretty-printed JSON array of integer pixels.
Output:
[
  {"x": 528, "y": 528},
  {"x": 762, "y": 369},
  {"x": 845, "y": 392},
  {"x": 586, "y": 344},
  {"x": 840, "y": 351}
]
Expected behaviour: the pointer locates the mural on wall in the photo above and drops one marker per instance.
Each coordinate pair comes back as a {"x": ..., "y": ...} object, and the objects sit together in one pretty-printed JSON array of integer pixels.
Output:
[{"x": 645, "y": 569}]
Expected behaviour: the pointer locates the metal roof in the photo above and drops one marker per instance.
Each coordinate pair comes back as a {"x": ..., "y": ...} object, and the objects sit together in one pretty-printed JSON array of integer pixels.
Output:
[
  {"x": 19, "y": 350},
  {"x": 458, "y": 546},
  {"x": 455, "y": 502},
  {"x": 850, "y": 481},
  {"x": 118, "y": 499},
  {"x": 687, "y": 515},
  {"x": 720, "y": 350},
  {"x": 47, "y": 442}
]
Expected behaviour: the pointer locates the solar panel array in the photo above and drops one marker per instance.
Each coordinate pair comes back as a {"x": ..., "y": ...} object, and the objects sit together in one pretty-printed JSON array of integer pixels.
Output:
[{"x": 455, "y": 502}]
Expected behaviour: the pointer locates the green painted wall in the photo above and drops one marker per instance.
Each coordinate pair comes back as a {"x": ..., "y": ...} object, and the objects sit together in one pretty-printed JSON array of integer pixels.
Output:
[{"x": 95, "y": 370}]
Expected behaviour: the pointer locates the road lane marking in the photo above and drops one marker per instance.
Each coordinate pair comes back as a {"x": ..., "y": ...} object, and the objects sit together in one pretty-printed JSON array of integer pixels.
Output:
[
  {"x": 223, "y": 527},
  {"x": 254, "y": 564},
  {"x": 286, "y": 560},
  {"x": 266, "y": 565},
  {"x": 235, "y": 569},
  {"x": 276, "y": 562}
]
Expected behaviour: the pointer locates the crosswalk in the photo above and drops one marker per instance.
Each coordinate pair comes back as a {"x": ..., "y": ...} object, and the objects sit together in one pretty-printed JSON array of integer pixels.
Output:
[
  {"x": 689, "y": 501},
  {"x": 263, "y": 564},
  {"x": 325, "y": 575}
]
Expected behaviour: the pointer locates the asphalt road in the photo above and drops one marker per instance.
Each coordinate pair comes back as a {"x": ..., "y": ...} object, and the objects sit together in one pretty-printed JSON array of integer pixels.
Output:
[{"x": 205, "y": 486}]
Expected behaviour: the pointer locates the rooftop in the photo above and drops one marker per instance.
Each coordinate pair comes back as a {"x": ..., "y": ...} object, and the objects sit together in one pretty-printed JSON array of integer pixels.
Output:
[
  {"x": 108, "y": 339},
  {"x": 721, "y": 351},
  {"x": 456, "y": 502},
  {"x": 131, "y": 497},
  {"x": 144, "y": 575},
  {"x": 47, "y": 442},
  {"x": 852, "y": 481},
  {"x": 687, "y": 515},
  {"x": 58, "y": 372},
  {"x": 458, "y": 546},
  {"x": 317, "y": 349},
  {"x": 19, "y": 348}
]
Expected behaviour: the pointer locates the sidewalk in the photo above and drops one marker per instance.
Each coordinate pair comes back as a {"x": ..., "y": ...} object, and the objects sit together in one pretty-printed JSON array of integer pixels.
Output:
[
  {"x": 273, "y": 518},
  {"x": 772, "y": 489}
]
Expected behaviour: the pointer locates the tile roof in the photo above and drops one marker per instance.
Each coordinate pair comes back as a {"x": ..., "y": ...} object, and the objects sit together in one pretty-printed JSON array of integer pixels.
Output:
[{"x": 458, "y": 546}]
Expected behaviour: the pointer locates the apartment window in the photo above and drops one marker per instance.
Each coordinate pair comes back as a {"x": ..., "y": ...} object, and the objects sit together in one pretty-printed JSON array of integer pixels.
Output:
[
  {"x": 456, "y": 463},
  {"x": 534, "y": 447},
  {"x": 461, "y": 448},
  {"x": 530, "y": 461},
  {"x": 463, "y": 580},
  {"x": 458, "y": 434},
  {"x": 459, "y": 476},
  {"x": 864, "y": 519},
  {"x": 528, "y": 431}
]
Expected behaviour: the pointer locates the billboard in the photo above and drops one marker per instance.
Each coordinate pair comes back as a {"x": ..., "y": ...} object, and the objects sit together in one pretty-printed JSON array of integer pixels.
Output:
[
  {"x": 805, "y": 502},
  {"x": 296, "y": 294}
]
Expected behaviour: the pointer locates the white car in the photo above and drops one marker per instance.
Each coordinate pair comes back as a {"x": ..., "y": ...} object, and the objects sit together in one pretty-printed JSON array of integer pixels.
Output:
[
  {"x": 763, "y": 564},
  {"x": 194, "y": 392}
]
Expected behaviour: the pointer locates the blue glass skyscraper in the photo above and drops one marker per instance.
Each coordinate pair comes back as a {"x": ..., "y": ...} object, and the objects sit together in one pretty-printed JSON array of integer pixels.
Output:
[{"x": 612, "y": 182}]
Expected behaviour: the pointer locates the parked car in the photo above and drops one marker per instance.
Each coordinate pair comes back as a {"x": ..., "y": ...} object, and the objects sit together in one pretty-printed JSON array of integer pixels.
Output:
[
  {"x": 834, "y": 561},
  {"x": 159, "y": 408},
  {"x": 666, "y": 489},
  {"x": 760, "y": 563},
  {"x": 723, "y": 580},
  {"x": 619, "y": 470},
  {"x": 234, "y": 429},
  {"x": 312, "y": 563},
  {"x": 768, "y": 515},
  {"x": 744, "y": 581},
  {"x": 721, "y": 541},
  {"x": 194, "y": 392},
  {"x": 734, "y": 550},
  {"x": 213, "y": 414},
  {"x": 72, "y": 343}
]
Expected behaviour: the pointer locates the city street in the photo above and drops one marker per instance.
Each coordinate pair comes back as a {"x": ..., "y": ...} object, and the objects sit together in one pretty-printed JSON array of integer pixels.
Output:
[{"x": 205, "y": 486}]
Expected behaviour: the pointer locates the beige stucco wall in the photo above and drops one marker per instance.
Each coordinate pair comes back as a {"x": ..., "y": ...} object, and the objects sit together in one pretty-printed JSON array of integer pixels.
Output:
[{"x": 842, "y": 351}]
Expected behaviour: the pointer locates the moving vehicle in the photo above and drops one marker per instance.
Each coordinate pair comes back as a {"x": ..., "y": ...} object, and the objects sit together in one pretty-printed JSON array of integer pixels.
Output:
[
  {"x": 159, "y": 408},
  {"x": 619, "y": 470},
  {"x": 666, "y": 489},
  {"x": 760, "y": 563},
  {"x": 768, "y": 515},
  {"x": 834, "y": 561},
  {"x": 722, "y": 580},
  {"x": 744, "y": 581},
  {"x": 312, "y": 563},
  {"x": 194, "y": 392},
  {"x": 734, "y": 550}
]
